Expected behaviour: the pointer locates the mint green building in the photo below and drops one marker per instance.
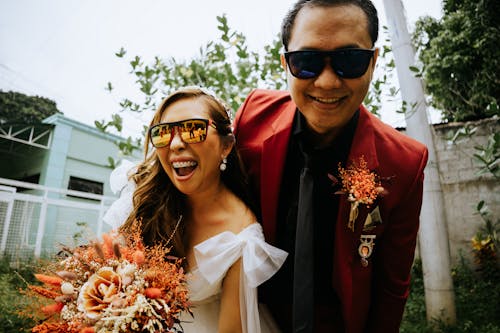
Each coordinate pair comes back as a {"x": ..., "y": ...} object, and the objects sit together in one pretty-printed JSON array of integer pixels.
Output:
[{"x": 54, "y": 184}]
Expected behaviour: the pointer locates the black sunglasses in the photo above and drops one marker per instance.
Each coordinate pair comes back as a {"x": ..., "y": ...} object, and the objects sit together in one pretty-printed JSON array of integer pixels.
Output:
[
  {"x": 190, "y": 131},
  {"x": 347, "y": 63}
]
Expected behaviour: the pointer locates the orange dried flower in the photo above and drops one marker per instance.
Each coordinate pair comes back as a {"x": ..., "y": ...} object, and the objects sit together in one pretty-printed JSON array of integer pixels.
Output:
[
  {"x": 138, "y": 257},
  {"x": 361, "y": 185},
  {"x": 52, "y": 308},
  {"x": 98, "y": 292},
  {"x": 44, "y": 292},
  {"x": 109, "y": 284},
  {"x": 50, "y": 280},
  {"x": 87, "y": 330},
  {"x": 49, "y": 328},
  {"x": 107, "y": 246},
  {"x": 152, "y": 292}
]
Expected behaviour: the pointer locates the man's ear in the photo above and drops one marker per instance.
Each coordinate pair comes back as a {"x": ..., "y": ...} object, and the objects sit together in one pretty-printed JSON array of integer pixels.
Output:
[
  {"x": 283, "y": 62},
  {"x": 375, "y": 56},
  {"x": 371, "y": 69}
]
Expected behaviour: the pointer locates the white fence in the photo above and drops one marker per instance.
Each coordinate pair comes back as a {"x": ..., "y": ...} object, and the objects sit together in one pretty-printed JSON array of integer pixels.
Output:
[{"x": 36, "y": 220}]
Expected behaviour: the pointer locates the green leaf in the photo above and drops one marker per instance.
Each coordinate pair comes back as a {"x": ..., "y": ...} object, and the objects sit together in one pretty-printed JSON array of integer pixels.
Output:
[
  {"x": 414, "y": 69},
  {"x": 111, "y": 162},
  {"x": 121, "y": 53}
]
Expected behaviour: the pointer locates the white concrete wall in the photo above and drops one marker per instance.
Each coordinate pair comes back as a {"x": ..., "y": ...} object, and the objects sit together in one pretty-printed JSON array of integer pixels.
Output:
[{"x": 462, "y": 187}]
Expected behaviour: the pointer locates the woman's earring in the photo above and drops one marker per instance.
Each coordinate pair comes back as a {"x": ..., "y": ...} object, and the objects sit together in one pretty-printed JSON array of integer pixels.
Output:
[{"x": 223, "y": 164}]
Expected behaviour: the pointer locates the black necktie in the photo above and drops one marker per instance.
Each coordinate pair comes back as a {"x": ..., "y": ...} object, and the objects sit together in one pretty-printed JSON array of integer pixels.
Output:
[{"x": 303, "y": 274}]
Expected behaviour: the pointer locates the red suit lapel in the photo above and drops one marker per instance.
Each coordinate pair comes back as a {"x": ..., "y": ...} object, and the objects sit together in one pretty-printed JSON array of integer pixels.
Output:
[
  {"x": 274, "y": 152},
  {"x": 346, "y": 272}
]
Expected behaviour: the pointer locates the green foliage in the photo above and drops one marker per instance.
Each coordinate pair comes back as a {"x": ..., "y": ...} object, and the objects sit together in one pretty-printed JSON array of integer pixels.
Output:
[
  {"x": 486, "y": 245},
  {"x": 477, "y": 291},
  {"x": 460, "y": 58},
  {"x": 490, "y": 229},
  {"x": 19, "y": 108},
  {"x": 463, "y": 133},
  {"x": 489, "y": 156},
  {"x": 414, "y": 319},
  {"x": 477, "y": 300},
  {"x": 381, "y": 82},
  {"x": 225, "y": 66},
  {"x": 127, "y": 147},
  {"x": 11, "y": 280}
]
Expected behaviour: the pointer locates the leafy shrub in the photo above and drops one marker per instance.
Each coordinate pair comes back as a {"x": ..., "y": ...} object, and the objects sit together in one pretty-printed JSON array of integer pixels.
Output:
[
  {"x": 477, "y": 300},
  {"x": 11, "y": 280}
]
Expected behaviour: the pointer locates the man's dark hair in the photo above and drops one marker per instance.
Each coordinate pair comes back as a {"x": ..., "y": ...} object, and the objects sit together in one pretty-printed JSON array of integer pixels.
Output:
[{"x": 366, "y": 5}]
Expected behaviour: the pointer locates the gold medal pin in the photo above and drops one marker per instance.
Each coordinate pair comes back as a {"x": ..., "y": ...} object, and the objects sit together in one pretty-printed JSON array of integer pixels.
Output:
[{"x": 365, "y": 249}]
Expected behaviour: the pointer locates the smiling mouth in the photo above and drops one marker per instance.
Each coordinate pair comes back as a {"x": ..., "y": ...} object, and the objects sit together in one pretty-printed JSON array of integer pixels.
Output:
[
  {"x": 184, "y": 168},
  {"x": 327, "y": 100}
]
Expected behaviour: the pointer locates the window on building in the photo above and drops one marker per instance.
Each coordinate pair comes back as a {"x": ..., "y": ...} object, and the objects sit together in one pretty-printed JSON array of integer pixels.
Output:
[
  {"x": 85, "y": 185},
  {"x": 34, "y": 179}
]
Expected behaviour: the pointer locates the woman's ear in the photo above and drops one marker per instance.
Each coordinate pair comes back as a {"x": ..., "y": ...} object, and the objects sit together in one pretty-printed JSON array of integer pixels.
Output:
[{"x": 227, "y": 144}]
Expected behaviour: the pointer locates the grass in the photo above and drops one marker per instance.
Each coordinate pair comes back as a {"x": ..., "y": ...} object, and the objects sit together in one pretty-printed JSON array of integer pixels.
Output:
[
  {"x": 11, "y": 300},
  {"x": 477, "y": 301}
]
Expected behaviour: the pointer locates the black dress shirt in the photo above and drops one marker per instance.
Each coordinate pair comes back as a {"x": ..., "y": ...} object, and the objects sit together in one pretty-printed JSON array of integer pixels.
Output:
[{"x": 277, "y": 292}]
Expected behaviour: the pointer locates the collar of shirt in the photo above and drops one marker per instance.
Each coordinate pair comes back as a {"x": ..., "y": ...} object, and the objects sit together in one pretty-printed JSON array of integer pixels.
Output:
[{"x": 337, "y": 151}]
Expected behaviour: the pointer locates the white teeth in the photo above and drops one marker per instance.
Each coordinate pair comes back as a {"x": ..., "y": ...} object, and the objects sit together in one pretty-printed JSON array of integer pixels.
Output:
[
  {"x": 327, "y": 100},
  {"x": 184, "y": 164}
]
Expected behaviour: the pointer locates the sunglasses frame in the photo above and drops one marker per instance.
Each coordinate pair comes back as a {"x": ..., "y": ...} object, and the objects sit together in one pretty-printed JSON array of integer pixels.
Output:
[
  {"x": 175, "y": 125},
  {"x": 331, "y": 55}
]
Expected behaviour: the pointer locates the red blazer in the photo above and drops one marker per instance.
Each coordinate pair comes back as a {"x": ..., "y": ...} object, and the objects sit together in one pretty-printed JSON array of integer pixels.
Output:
[{"x": 372, "y": 297}]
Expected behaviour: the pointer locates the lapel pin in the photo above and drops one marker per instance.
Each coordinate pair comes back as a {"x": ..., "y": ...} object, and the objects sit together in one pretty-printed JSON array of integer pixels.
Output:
[{"x": 365, "y": 249}]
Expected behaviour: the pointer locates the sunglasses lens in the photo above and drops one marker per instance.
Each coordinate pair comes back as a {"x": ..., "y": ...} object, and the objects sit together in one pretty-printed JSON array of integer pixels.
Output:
[
  {"x": 193, "y": 131},
  {"x": 305, "y": 64},
  {"x": 351, "y": 64},
  {"x": 161, "y": 135},
  {"x": 190, "y": 131}
]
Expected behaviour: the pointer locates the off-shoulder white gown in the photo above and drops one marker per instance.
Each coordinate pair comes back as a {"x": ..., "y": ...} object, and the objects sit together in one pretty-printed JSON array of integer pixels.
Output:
[{"x": 214, "y": 257}]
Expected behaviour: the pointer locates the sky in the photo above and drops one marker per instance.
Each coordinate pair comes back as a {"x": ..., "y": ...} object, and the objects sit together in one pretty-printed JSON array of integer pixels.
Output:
[{"x": 65, "y": 49}]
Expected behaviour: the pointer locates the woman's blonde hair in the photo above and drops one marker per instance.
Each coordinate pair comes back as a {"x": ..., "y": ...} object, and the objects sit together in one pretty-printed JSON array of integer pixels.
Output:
[{"x": 157, "y": 203}]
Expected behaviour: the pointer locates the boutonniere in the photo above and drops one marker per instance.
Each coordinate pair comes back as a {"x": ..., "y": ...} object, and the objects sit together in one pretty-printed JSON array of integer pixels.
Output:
[{"x": 361, "y": 185}]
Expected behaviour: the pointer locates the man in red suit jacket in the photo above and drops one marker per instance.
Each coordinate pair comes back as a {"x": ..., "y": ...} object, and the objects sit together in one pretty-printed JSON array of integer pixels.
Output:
[{"x": 361, "y": 257}]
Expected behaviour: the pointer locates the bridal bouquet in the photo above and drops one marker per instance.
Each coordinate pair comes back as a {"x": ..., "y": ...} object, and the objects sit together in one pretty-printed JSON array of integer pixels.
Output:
[{"x": 113, "y": 285}]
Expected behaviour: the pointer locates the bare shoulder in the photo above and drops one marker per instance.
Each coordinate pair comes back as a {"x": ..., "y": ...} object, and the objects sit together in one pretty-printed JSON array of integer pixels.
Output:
[{"x": 239, "y": 217}]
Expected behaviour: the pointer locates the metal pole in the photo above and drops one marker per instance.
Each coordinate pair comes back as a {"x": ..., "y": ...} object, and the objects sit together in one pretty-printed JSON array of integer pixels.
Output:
[
  {"x": 7, "y": 196},
  {"x": 41, "y": 225},
  {"x": 433, "y": 235}
]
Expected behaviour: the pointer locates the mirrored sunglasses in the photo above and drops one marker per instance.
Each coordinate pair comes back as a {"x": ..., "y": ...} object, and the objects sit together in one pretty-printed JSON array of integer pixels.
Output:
[
  {"x": 346, "y": 63},
  {"x": 190, "y": 131}
]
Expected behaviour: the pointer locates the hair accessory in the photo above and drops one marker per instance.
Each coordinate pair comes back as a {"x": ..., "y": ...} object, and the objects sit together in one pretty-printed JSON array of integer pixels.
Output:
[
  {"x": 212, "y": 94},
  {"x": 223, "y": 165}
]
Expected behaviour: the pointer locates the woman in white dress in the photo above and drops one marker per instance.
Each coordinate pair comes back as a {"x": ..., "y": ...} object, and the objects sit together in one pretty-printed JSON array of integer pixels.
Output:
[{"x": 190, "y": 192}]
